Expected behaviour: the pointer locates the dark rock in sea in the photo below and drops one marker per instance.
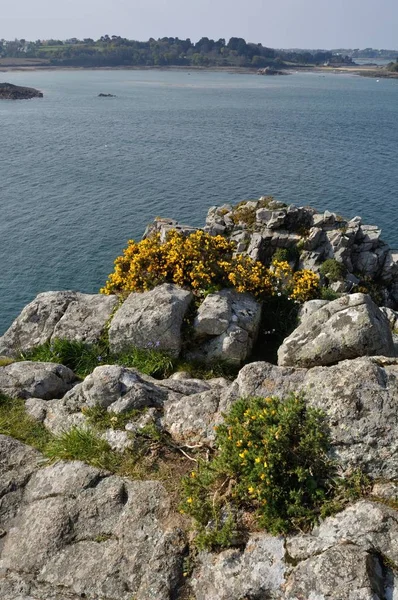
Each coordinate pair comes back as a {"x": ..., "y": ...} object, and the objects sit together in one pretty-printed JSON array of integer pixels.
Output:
[
  {"x": 8, "y": 91},
  {"x": 106, "y": 96}
]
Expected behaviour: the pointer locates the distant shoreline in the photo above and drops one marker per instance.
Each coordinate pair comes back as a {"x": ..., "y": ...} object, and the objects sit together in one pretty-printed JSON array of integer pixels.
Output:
[{"x": 363, "y": 71}]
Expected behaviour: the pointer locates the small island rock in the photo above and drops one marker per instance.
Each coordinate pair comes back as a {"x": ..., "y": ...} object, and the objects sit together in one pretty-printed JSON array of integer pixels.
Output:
[{"x": 8, "y": 91}]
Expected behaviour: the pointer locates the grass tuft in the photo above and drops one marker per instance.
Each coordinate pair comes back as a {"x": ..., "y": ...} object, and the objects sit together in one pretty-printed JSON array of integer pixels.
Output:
[
  {"x": 83, "y": 358},
  {"x": 15, "y": 422},
  {"x": 85, "y": 445},
  {"x": 4, "y": 361}
]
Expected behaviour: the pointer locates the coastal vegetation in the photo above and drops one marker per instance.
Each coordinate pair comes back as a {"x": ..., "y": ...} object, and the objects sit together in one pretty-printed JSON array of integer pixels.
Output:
[
  {"x": 118, "y": 51},
  {"x": 393, "y": 67},
  {"x": 270, "y": 468},
  {"x": 205, "y": 263}
]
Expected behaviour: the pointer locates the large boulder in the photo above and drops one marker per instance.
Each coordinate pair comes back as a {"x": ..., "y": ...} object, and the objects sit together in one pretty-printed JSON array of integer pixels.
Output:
[
  {"x": 151, "y": 320},
  {"x": 348, "y": 327},
  {"x": 36, "y": 380},
  {"x": 226, "y": 327},
  {"x": 359, "y": 397},
  {"x": 68, "y": 315},
  {"x": 81, "y": 533}
]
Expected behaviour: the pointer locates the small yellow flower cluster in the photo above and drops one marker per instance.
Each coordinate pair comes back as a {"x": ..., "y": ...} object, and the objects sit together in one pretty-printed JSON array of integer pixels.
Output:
[
  {"x": 300, "y": 285},
  {"x": 306, "y": 286},
  {"x": 247, "y": 275}
]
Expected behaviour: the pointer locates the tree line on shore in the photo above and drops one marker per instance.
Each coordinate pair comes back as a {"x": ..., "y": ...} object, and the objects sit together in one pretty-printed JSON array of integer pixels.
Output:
[{"x": 118, "y": 51}]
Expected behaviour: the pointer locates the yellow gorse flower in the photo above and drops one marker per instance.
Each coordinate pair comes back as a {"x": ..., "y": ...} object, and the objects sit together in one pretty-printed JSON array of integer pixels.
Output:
[{"x": 199, "y": 261}]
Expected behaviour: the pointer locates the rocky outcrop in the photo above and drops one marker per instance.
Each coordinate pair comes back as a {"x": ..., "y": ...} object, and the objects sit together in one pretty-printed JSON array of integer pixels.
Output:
[
  {"x": 151, "y": 320},
  {"x": 36, "y": 380},
  {"x": 71, "y": 531},
  {"x": 349, "y": 327},
  {"x": 260, "y": 227},
  {"x": 351, "y": 555},
  {"x": 190, "y": 418},
  {"x": 67, "y": 315},
  {"x": 8, "y": 91},
  {"x": 226, "y": 327},
  {"x": 184, "y": 408}
]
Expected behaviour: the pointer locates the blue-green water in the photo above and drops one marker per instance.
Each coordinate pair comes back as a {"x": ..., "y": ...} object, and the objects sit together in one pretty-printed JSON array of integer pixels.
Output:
[{"x": 80, "y": 175}]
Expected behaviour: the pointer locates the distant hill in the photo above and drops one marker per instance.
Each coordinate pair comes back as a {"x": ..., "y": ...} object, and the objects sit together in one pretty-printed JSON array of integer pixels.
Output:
[{"x": 114, "y": 50}]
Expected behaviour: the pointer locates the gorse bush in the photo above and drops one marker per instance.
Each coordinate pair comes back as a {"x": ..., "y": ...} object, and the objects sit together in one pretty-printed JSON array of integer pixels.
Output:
[
  {"x": 202, "y": 262},
  {"x": 272, "y": 459},
  {"x": 196, "y": 261}
]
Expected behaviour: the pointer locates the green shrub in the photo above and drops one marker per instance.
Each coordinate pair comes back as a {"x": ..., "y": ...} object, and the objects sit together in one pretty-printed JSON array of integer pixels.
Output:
[
  {"x": 367, "y": 285},
  {"x": 272, "y": 459},
  {"x": 286, "y": 254},
  {"x": 328, "y": 294},
  {"x": 333, "y": 270}
]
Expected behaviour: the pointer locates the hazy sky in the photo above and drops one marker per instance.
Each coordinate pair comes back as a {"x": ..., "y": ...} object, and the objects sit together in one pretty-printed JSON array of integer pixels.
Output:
[{"x": 275, "y": 23}]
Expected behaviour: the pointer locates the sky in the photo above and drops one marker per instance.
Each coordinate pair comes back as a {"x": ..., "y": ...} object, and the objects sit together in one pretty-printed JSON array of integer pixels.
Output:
[{"x": 275, "y": 23}]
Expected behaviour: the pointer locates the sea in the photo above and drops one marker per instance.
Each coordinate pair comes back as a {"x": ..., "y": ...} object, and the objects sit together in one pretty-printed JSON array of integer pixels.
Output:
[{"x": 80, "y": 175}]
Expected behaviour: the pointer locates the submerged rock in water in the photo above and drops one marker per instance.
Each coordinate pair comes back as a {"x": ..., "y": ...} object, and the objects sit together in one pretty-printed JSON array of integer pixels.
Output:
[{"x": 8, "y": 91}]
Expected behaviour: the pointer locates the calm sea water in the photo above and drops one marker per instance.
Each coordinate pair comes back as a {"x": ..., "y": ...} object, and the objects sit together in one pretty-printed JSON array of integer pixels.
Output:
[{"x": 80, "y": 175}]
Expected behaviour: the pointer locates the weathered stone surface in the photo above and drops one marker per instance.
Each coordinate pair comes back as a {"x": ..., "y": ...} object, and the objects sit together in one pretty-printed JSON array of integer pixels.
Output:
[
  {"x": 257, "y": 572},
  {"x": 163, "y": 226},
  {"x": 349, "y": 327},
  {"x": 36, "y": 380},
  {"x": 69, "y": 315},
  {"x": 214, "y": 315},
  {"x": 191, "y": 418},
  {"x": 151, "y": 319},
  {"x": 359, "y": 397},
  {"x": 94, "y": 536},
  {"x": 85, "y": 318},
  {"x": 309, "y": 308},
  {"x": 368, "y": 525},
  {"x": 346, "y": 556},
  {"x": 17, "y": 463},
  {"x": 228, "y": 321},
  {"x": 115, "y": 388},
  {"x": 339, "y": 573}
]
